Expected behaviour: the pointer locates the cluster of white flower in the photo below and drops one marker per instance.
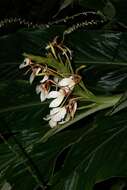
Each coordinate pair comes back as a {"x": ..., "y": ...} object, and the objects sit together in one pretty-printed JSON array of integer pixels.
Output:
[{"x": 63, "y": 105}]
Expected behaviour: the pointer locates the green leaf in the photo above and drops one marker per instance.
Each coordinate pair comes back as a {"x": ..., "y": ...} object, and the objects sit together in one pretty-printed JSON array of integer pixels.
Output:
[
  {"x": 93, "y": 157},
  {"x": 99, "y": 47},
  {"x": 107, "y": 102},
  {"x": 22, "y": 158},
  {"x": 122, "y": 104},
  {"x": 93, "y": 147}
]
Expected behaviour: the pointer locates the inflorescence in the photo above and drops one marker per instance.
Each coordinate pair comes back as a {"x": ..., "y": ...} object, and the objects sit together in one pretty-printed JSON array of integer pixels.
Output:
[{"x": 57, "y": 83}]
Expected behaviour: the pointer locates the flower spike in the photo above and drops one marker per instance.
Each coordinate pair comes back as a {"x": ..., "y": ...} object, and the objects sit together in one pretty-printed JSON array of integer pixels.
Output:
[{"x": 55, "y": 85}]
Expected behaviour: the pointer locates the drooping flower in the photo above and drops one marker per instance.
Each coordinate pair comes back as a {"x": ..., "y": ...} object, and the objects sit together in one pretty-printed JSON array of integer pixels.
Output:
[
  {"x": 70, "y": 82},
  {"x": 43, "y": 89},
  {"x": 35, "y": 71},
  {"x": 56, "y": 115},
  {"x": 25, "y": 63},
  {"x": 58, "y": 96},
  {"x": 63, "y": 103},
  {"x": 67, "y": 82}
]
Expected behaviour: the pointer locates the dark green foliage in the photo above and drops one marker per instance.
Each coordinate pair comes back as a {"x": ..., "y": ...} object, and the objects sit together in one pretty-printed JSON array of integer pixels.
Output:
[{"x": 88, "y": 150}]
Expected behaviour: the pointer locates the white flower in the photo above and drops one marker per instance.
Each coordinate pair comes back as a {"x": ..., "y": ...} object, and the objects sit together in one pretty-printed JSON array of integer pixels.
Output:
[
  {"x": 56, "y": 115},
  {"x": 34, "y": 73},
  {"x": 66, "y": 119},
  {"x": 25, "y": 63},
  {"x": 45, "y": 78},
  {"x": 58, "y": 97},
  {"x": 56, "y": 79},
  {"x": 67, "y": 82},
  {"x": 43, "y": 89}
]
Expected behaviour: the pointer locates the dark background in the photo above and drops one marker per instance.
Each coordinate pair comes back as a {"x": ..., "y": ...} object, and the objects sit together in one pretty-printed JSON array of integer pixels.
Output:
[
  {"x": 34, "y": 10},
  {"x": 42, "y": 11}
]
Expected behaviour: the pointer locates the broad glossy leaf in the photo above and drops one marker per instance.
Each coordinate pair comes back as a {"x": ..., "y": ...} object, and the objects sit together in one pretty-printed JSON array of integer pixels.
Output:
[
  {"x": 94, "y": 155},
  {"x": 122, "y": 104},
  {"x": 99, "y": 47},
  {"x": 24, "y": 118},
  {"x": 37, "y": 162}
]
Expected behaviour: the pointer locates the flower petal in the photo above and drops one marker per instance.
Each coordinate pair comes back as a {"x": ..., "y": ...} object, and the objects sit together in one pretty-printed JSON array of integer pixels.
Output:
[
  {"x": 48, "y": 117},
  {"x": 54, "y": 111},
  {"x": 67, "y": 82},
  {"x": 38, "y": 89},
  {"x": 46, "y": 77},
  {"x": 64, "y": 82},
  {"x": 60, "y": 115},
  {"x": 66, "y": 120},
  {"x": 52, "y": 123},
  {"x": 32, "y": 77},
  {"x": 43, "y": 95},
  {"x": 37, "y": 71},
  {"x": 53, "y": 94},
  {"x": 25, "y": 63},
  {"x": 56, "y": 79},
  {"x": 56, "y": 102}
]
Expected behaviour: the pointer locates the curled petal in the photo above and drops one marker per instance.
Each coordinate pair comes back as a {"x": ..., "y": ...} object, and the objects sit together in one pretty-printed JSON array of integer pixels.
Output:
[
  {"x": 37, "y": 71},
  {"x": 25, "y": 63},
  {"x": 43, "y": 91},
  {"x": 48, "y": 117},
  {"x": 56, "y": 79},
  {"x": 59, "y": 115},
  {"x": 56, "y": 102},
  {"x": 38, "y": 89},
  {"x": 46, "y": 77},
  {"x": 65, "y": 120},
  {"x": 67, "y": 82},
  {"x": 53, "y": 94},
  {"x": 48, "y": 46},
  {"x": 59, "y": 96},
  {"x": 43, "y": 95},
  {"x": 54, "y": 111},
  {"x": 33, "y": 74},
  {"x": 52, "y": 123},
  {"x": 64, "y": 82},
  {"x": 32, "y": 77}
]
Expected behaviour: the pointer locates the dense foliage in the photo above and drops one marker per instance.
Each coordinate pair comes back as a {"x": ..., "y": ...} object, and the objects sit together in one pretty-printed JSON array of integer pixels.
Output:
[{"x": 89, "y": 152}]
